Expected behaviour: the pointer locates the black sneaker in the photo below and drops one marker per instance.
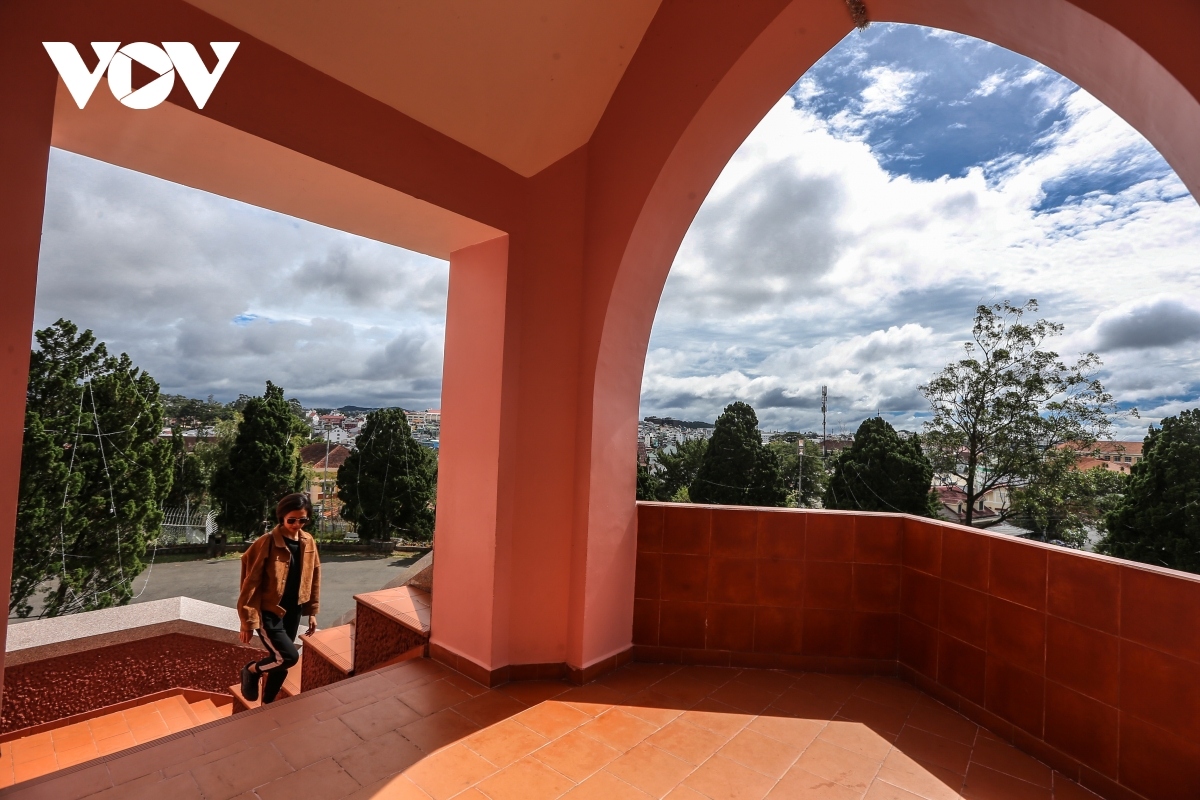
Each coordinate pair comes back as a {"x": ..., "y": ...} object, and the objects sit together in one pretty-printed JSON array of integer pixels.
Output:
[{"x": 250, "y": 683}]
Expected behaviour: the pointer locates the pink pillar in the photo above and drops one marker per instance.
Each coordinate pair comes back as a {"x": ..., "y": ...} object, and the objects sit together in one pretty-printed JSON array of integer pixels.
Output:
[{"x": 27, "y": 85}]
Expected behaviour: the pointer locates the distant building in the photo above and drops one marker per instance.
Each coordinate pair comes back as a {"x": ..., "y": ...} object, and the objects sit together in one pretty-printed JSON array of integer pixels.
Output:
[
  {"x": 324, "y": 459},
  {"x": 1112, "y": 456}
]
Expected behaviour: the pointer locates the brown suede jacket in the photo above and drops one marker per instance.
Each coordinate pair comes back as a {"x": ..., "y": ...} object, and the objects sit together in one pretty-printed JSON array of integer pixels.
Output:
[{"x": 264, "y": 572}]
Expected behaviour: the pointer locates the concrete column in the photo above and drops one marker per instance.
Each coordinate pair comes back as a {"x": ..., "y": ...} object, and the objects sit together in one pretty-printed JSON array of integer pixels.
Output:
[{"x": 27, "y": 86}]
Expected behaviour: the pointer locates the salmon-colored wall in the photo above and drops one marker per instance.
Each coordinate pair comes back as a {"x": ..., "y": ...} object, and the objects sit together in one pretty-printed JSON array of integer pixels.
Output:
[{"x": 1087, "y": 662}]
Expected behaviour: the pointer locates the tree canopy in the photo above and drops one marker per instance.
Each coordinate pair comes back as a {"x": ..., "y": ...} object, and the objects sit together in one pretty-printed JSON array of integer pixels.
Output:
[
  {"x": 263, "y": 464},
  {"x": 808, "y": 482},
  {"x": 1157, "y": 520},
  {"x": 93, "y": 474},
  {"x": 388, "y": 484},
  {"x": 881, "y": 472},
  {"x": 737, "y": 468},
  {"x": 1003, "y": 408}
]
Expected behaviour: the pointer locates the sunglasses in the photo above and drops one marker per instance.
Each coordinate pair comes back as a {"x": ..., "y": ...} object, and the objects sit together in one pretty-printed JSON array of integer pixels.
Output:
[{"x": 295, "y": 521}]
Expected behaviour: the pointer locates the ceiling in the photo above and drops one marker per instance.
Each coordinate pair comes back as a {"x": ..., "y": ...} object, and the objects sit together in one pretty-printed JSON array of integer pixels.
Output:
[{"x": 522, "y": 81}]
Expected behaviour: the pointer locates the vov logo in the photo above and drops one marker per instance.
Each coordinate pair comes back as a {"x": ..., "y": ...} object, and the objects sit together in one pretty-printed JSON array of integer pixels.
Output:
[{"x": 172, "y": 57}]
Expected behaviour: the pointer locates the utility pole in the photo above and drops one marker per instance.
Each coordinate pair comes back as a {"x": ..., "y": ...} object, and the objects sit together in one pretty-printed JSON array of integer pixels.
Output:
[
  {"x": 800, "y": 471},
  {"x": 824, "y": 398}
]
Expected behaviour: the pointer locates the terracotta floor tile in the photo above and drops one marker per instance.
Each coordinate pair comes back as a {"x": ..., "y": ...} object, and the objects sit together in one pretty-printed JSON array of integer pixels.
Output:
[
  {"x": 7, "y": 777},
  {"x": 788, "y": 729},
  {"x": 373, "y": 684},
  {"x": 34, "y": 768},
  {"x": 722, "y": 779},
  {"x": 466, "y": 684},
  {"x": 922, "y": 746},
  {"x": 33, "y": 747},
  {"x": 653, "y": 771},
  {"x": 889, "y": 692},
  {"x": 1003, "y": 757},
  {"x": 1066, "y": 789},
  {"x": 714, "y": 676},
  {"x": 240, "y": 772},
  {"x": 379, "y": 758},
  {"x": 987, "y": 784},
  {"x": 687, "y": 741},
  {"x": 397, "y": 788},
  {"x": 449, "y": 772},
  {"x": 681, "y": 688},
  {"x": 315, "y": 742},
  {"x": 857, "y": 738},
  {"x": 652, "y": 707},
  {"x": 533, "y": 692},
  {"x": 125, "y": 767},
  {"x": 576, "y": 756},
  {"x": 377, "y": 717},
  {"x": 636, "y": 677},
  {"x": 433, "y": 697},
  {"x": 929, "y": 781},
  {"x": 324, "y": 779},
  {"x": 618, "y": 729},
  {"x": 489, "y": 708},
  {"x": 885, "y": 791},
  {"x": 744, "y": 697},
  {"x": 505, "y": 742},
  {"x": 684, "y": 793},
  {"x": 76, "y": 755},
  {"x": 605, "y": 786},
  {"x": 413, "y": 673},
  {"x": 593, "y": 699},
  {"x": 884, "y": 720},
  {"x": 774, "y": 680},
  {"x": 438, "y": 730},
  {"x": 717, "y": 717},
  {"x": 841, "y": 766},
  {"x": 803, "y": 703},
  {"x": 798, "y": 783},
  {"x": 108, "y": 725},
  {"x": 69, "y": 737},
  {"x": 527, "y": 779},
  {"x": 112, "y": 744},
  {"x": 153, "y": 787},
  {"x": 837, "y": 687},
  {"x": 930, "y": 715},
  {"x": 762, "y": 754},
  {"x": 175, "y": 714},
  {"x": 552, "y": 718},
  {"x": 149, "y": 729}
]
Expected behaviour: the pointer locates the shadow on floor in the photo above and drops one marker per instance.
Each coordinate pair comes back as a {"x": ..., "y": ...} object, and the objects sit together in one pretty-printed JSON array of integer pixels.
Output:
[{"x": 418, "y": 729}]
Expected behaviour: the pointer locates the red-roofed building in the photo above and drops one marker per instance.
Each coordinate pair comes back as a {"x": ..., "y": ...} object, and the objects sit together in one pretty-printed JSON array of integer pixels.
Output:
[{"x": 324, "y": 459}]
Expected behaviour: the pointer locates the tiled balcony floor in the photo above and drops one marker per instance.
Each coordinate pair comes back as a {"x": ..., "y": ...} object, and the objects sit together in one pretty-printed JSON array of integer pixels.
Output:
[{"x": 418, "y": 730}]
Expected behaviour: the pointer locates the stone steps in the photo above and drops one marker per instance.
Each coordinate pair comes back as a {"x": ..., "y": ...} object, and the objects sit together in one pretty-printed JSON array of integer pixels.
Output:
[{"x": 47, "y": 748}]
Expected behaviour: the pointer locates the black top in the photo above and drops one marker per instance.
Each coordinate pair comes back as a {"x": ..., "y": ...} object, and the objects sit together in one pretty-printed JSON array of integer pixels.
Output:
[{"x": 291, "y": 588}]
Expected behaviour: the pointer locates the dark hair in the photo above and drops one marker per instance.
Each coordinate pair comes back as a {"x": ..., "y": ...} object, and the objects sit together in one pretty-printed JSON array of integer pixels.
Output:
[{"x": 293, "y": 502}]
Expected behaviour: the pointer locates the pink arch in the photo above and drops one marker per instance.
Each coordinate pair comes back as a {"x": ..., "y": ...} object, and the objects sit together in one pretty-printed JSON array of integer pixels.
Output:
[{"x": 1130, "y": 62}]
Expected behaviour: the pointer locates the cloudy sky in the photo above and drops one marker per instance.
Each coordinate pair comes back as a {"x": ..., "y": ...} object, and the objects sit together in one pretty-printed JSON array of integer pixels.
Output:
[{"x": 909, "y": 176}]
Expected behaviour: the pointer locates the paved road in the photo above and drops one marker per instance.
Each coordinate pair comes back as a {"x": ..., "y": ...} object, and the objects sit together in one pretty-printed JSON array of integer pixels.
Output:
[{"x": 343, "y": 575}]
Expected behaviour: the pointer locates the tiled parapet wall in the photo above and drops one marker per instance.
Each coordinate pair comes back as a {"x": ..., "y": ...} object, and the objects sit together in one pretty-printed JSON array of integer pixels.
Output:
[
  {"x": 768, "y": 587},
  {"x": 1090, "y": 663}
]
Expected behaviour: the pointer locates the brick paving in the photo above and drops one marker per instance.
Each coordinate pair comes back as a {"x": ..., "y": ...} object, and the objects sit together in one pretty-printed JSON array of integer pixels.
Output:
[{"x": 420, "y": 730}]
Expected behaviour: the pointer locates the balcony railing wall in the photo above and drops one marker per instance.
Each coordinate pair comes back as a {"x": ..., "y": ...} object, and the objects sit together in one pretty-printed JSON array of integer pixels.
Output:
[{"x": 1089, "y": 663}]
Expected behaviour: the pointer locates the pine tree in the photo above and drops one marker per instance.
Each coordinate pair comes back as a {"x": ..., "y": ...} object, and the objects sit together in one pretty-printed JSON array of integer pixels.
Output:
[
  {"x": 389, "y": 482},
  {"x": 264, "y": 463},
  {"x": 737, "y": 468},
  {"x": 881, "y": 472},
  {"x": 1157, "y": 521},
  {"x": 94, "y": 473}
]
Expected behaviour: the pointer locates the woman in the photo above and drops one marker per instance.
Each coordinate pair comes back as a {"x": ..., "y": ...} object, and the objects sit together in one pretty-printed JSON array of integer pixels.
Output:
[{"x": 281, "y": 579}]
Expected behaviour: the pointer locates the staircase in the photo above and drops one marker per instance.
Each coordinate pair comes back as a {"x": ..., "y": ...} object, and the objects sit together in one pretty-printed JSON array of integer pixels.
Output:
[
  {"x": 39, "y": 750},
  {"x": 390, "y": 625}
]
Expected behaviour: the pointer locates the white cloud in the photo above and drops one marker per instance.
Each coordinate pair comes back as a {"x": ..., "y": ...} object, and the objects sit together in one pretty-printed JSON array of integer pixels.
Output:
[
  {"x": 990, "y": 84},
  {"x": 890, "y": 90},
  {"x": 825, "y": 268}
]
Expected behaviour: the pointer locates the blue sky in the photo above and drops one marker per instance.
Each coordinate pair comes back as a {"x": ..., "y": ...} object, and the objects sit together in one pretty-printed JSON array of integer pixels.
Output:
[{"x": 908, "y": 176}]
